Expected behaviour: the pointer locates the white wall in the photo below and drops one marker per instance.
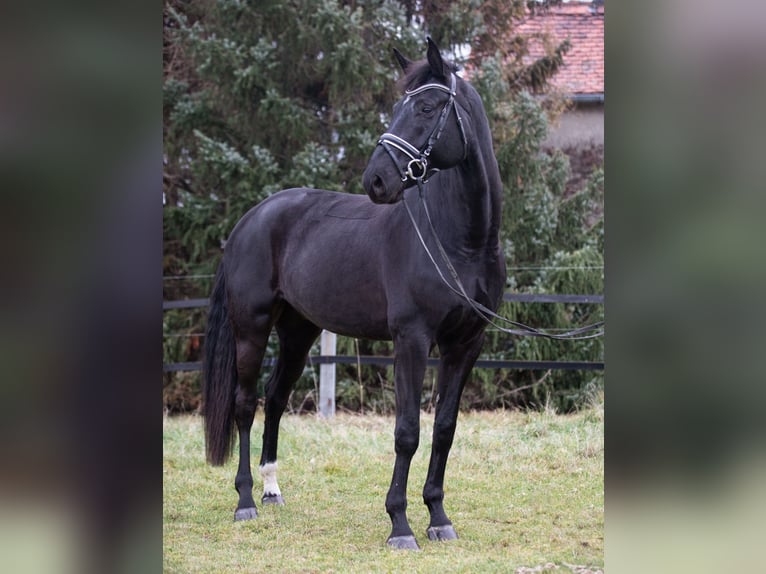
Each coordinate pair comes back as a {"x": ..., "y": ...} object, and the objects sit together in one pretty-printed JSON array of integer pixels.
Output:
[{"x": 579, "y": 127}]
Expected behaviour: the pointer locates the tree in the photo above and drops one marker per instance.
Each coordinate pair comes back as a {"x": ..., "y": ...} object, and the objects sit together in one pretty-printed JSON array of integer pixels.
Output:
[{"x": 263, "y": 96}]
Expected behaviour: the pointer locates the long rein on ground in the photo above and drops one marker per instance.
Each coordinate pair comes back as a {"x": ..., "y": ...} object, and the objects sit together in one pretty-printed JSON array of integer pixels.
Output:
[{"x": 417, "y": 171}]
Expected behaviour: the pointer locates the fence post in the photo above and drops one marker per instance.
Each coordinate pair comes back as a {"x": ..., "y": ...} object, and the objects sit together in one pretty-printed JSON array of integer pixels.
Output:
[{"x": 327, "y": 376}]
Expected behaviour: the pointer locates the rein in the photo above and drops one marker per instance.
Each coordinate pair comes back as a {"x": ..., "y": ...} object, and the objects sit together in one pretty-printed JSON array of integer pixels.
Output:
[
  {"x": 417, "y": 171},
  {"x": 482, "y": 311}
]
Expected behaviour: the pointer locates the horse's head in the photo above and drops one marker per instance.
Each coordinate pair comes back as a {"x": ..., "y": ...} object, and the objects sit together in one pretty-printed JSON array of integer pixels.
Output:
[{"x": 427, "y": 131}]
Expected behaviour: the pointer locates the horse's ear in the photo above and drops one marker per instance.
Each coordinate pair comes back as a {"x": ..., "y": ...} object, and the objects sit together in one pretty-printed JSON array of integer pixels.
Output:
[
  {"x": 438, "y": 69},
  {"x": 404, "y": 63}
]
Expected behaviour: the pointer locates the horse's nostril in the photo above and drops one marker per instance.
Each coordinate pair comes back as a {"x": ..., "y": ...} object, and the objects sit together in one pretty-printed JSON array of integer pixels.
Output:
[{"x": 377, "y": 185}]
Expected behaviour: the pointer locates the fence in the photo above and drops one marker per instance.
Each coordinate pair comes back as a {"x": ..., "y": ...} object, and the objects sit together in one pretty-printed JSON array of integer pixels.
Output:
[{"x": 328, "y": 359}]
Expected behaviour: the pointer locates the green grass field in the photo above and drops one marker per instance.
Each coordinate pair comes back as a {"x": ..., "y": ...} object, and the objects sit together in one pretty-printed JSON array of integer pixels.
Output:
[{"x": 525, "y": 492}]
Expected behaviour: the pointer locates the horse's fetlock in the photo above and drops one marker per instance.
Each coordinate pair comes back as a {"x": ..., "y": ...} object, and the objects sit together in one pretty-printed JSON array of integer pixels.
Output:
[
  {"x": 432, "y": 494},
  {"x": 243, "y": 482}
]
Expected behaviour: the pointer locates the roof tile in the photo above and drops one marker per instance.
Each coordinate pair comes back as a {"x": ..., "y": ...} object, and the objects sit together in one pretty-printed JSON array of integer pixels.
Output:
[{"x": 583, "y": 68}]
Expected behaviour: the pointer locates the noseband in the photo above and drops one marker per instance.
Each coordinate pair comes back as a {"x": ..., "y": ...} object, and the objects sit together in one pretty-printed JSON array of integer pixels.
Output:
[{"x": 417, "y": 167}]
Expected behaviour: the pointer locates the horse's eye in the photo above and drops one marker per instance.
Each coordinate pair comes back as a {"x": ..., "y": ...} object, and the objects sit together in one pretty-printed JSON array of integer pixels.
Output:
[{"x": 427, "y": 109}]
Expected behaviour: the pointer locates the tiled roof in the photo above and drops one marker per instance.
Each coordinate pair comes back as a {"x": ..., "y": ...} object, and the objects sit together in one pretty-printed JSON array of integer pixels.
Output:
[{"x": 583, "y": 69}]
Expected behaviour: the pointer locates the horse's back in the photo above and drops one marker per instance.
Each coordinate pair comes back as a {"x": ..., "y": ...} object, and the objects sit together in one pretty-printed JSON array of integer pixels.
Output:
[{"x": 304, "y": 205}]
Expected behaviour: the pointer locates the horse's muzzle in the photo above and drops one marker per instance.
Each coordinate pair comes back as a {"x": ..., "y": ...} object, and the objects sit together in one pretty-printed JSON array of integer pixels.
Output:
[{"x": 382, "y": 185}]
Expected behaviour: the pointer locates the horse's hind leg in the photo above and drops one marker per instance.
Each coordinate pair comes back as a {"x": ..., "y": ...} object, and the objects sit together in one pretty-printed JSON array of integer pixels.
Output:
[
  {"x": 251, "y": 346},
  {"x": 296, "y": 335},
  {"x": 455, "y": 365}
]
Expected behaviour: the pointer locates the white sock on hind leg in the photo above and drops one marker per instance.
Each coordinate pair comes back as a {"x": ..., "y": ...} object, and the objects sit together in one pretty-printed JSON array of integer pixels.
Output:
[{"x": 269, "y": 474}]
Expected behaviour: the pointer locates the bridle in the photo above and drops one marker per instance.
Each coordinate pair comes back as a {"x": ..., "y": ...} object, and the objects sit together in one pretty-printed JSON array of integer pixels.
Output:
[
  {"x": 417, "y": 166},
  {"x": 417, "y": 171}
]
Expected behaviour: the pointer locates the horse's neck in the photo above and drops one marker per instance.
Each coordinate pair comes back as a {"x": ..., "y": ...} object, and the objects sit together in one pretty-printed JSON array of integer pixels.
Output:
[{"x": 469, "y": 205}]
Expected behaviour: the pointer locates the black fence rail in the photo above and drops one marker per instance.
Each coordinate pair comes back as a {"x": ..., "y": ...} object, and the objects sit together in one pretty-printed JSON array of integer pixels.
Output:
[
  {"x": 518, "y": 297},
  {"x": 432, "y": 362}
]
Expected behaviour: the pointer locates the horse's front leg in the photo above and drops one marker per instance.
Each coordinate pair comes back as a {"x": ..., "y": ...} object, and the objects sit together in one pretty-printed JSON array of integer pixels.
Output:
[
  {"x": 409, "y": 369},
  {"x": 455, "y": 366}
]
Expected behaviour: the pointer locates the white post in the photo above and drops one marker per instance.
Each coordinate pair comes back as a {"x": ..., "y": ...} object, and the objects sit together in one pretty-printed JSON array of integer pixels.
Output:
[{"x": 327, "y": 376}]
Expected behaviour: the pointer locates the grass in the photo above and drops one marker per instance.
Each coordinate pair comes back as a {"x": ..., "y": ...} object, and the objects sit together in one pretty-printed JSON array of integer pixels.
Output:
[{"x": 525, "y": 492}]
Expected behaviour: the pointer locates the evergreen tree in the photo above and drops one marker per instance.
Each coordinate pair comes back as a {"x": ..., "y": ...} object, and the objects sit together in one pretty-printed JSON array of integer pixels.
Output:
[{"x": 263, "y": 96}]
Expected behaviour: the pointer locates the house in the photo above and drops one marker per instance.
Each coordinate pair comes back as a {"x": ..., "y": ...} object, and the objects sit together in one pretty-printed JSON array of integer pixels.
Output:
[{"x": 579, "y": 131}]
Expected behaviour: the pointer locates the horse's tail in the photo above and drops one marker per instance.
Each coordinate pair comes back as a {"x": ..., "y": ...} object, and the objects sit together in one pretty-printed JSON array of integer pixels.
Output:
[{"x": 219, "y": 376}]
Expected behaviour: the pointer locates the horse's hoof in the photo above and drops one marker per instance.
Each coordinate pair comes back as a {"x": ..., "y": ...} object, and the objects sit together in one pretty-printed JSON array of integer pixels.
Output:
[
  {"x": 403, "y": 542},
  {"x": 275, "y": 499},
  {"x": 441, "y": 532},
  {"x": 245, "y": 514}
]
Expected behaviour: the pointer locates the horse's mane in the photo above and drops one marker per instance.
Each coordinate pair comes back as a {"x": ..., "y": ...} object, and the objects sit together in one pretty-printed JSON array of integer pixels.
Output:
[{"x": 419, "y": 73}]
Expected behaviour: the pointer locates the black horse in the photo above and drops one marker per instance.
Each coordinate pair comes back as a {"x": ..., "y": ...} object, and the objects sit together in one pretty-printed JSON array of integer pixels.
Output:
[{"x": 307, "y": 259}]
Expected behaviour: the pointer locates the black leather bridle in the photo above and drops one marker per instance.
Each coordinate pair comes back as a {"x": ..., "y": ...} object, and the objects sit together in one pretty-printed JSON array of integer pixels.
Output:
[{"x": 417, "y": 166}]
